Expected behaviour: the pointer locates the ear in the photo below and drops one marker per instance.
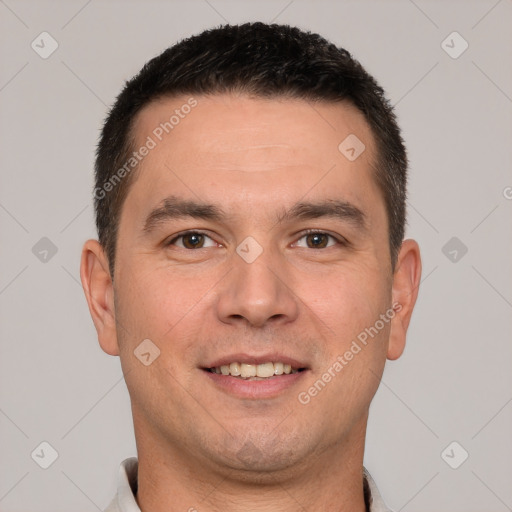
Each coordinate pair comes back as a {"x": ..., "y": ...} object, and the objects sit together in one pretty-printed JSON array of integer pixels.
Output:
[
  {"x": 406, "y": 282},
  {"x": 99, "y": 292}
]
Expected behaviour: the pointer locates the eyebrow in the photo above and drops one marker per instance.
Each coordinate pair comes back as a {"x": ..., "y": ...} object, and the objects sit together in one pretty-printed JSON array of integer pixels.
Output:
[
  {"x": 174, "y": 207},
  {"x": 330, "y": 208}
]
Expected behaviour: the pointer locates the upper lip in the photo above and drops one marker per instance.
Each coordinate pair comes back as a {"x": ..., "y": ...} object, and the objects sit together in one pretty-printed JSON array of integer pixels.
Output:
[{"x": 244, "y": 358}]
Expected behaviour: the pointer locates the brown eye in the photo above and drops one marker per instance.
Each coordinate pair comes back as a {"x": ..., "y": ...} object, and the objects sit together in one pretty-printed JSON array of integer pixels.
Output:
[
  {"x": 317, "y": 240},
  {"x": 193, "y": 240}
]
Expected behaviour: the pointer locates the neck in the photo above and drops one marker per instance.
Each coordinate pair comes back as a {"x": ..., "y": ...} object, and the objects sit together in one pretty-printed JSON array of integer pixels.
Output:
[{"x": 172, "y": 480}]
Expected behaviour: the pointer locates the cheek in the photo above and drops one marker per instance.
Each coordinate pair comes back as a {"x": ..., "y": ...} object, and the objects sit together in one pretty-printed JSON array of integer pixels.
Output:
[
  {"x": 154, "y": 304},
  {"x": 349, "y": 302},
  {"x": 155, "y": 300},
  {"x": 356, "y": 343}
]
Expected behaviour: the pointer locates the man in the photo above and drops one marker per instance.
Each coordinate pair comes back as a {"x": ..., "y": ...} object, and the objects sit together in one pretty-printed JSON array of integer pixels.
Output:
[{"x": 250, "y": 271}]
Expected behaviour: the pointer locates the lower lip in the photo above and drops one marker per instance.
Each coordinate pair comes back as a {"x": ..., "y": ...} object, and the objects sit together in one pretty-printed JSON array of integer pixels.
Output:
[{"x": 255, "y": 389}]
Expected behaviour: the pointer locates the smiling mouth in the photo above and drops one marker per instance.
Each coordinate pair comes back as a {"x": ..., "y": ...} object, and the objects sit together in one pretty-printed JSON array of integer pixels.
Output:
[{"x": 262, "y": 371}]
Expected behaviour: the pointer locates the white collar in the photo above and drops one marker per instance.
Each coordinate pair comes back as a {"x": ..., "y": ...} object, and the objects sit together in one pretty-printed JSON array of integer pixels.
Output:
[{"x": 124, "y": 500}]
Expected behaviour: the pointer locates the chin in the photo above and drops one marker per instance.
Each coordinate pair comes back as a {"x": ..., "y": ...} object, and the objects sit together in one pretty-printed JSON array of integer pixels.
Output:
[{"x": 261, "y": 458}]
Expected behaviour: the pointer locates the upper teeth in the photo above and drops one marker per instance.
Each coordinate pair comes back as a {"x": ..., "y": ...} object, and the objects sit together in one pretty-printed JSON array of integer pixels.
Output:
[{"x": 254, "y": 370}]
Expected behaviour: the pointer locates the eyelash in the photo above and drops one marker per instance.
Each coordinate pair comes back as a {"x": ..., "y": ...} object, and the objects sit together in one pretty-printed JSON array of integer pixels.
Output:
[{"x": 340, "y": 241}]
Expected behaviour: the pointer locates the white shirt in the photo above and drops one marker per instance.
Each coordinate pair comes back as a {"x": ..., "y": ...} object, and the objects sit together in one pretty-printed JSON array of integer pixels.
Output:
[{"x": 124, "y": 501}]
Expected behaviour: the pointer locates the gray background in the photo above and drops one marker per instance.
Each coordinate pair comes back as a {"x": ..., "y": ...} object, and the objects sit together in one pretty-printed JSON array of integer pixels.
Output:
[{"x": 453, "y": 382}]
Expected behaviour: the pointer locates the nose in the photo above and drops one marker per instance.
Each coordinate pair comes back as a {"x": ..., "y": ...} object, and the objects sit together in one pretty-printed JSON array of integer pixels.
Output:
[{"x": 257, "y": 293}]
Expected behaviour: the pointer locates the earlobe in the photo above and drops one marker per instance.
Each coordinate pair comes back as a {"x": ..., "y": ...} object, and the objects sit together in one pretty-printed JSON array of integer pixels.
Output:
[
  {"x": 99, "y": 292},
  {"x": 406, "y": 282}
]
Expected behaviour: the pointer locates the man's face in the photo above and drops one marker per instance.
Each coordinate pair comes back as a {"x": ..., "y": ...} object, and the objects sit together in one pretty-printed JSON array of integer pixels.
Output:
[{"x": 250, "y": 284}]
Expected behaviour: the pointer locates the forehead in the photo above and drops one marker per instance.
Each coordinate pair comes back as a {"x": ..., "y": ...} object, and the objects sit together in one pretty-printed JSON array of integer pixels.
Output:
[
  {"x": 252, "y": 148},
  {"x": 226, "y": 122}
]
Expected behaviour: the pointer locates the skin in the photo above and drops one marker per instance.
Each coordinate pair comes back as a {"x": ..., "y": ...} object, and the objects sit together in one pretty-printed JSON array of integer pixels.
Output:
[{"x": 198, "y": 446}]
